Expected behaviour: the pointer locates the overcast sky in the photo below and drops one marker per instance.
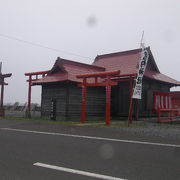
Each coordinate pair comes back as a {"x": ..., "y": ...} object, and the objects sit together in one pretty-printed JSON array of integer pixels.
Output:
[{"x": 81, "y": 29}]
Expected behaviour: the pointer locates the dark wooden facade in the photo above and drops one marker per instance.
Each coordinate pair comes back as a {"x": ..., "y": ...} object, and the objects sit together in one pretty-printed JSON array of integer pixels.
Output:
[{"x": 68, "y": 100}]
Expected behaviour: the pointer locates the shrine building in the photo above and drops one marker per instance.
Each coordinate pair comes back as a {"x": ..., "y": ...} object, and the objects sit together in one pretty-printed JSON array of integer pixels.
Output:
[{"x": 62, "y": 87}]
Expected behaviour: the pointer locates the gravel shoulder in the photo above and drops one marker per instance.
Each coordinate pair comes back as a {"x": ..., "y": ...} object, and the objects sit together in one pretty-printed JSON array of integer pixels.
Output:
[{"x": 139, "y": 131}]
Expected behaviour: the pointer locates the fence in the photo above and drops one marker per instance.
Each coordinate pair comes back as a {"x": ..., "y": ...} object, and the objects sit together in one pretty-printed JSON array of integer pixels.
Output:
[{"x": 20, "y": 110}]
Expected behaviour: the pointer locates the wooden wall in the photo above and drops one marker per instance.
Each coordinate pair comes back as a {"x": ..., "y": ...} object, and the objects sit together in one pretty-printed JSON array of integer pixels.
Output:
[
  {"x": 57, "y": 92},
  {"x": 68, "y": 100},
  {"x": 120, "y": 98}
]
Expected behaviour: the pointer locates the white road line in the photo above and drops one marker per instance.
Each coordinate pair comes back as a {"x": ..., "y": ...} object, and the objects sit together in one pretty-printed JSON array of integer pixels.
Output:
[
  {"x": 74, "y": 171},
  {"x": 92, "y": 137}
]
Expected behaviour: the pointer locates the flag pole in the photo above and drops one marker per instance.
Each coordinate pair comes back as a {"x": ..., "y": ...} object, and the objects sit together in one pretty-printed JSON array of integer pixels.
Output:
[
  {"x": 137, "y": 100},
  {"x": 142, "y": 37},
  {"x": 0, "y": 67},
  {"x": 135, "y": 93}
]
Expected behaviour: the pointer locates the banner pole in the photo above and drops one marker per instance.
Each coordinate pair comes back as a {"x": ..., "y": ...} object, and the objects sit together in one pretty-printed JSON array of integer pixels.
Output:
[{"x": 130, "y": 102}]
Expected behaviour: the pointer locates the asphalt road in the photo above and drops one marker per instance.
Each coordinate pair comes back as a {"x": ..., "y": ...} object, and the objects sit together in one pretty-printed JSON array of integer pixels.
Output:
[{"x": 20, "y": 150}]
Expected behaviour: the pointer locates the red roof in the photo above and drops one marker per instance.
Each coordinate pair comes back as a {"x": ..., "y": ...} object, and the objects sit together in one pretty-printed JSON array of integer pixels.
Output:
[
  {"x": 126, "y": 62},
  {"x": 66, "y": 70},
  {"x": 50, "y": 78},
  {"x": 160, "y": 77}
]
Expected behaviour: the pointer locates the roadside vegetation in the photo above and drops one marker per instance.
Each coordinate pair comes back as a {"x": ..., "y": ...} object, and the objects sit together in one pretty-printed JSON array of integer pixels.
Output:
[{"x": 114, "y": 124}]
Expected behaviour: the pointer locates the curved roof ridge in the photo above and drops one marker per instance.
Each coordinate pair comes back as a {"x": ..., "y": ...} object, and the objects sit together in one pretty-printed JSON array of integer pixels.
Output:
[
  {"x": 61, "y": 61},
  {"x": 121, "y": 53}
]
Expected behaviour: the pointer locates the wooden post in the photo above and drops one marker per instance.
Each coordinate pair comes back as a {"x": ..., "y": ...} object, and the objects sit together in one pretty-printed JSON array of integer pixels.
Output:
[
  {"x": 108, "y": 102},
  {"x": 2, "y": 92},
  {"x": 84, "y": 100},
  {"x": 130, "y": 102},
  {"x": 2, "y": 77},
  {"x": 137, "y": 109},
  {"x": 108, "y": 105},
  {"x": 29, "y": 97},
  {"x": 30, "y": 80}
]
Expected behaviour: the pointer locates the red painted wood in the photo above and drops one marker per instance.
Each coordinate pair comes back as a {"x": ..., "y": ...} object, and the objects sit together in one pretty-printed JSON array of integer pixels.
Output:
[
  {"x": 2, "y": 92},
  {"x": 164, "y": 111},
  {"x": 107, "y": 83},
  {"x": 111, "y": 83},
  {"x": 30, "y": 80},
  {"x": 36, "y": 73},
  {"x": 29, "y": 95},
  {"x": 99, "y": 74},
  {"x": 108, "y": 104},
  {"x": 84, "y": 101}
]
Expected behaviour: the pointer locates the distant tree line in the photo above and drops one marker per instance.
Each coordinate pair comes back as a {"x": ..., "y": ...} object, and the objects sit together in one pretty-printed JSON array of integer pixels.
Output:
[{"x": 21, "y": 107}]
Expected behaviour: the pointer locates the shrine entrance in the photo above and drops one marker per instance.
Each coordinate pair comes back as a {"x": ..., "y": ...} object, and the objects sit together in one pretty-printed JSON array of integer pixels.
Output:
[
  {"x": 106, "y": 79},
  {"x": 98, "y": 79}
]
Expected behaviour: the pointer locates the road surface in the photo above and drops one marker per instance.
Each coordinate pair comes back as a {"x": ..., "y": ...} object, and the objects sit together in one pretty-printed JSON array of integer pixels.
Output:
[{"x": 29, "y": 153}]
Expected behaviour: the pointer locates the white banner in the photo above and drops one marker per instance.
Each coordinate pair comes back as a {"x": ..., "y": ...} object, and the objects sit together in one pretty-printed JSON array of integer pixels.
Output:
[{"x": 142, "y": 67}]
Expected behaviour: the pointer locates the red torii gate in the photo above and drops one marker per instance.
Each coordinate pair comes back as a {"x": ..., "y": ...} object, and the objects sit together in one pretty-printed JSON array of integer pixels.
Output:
[
  {"x": 107, "y": 83},
  {"x": 30, "y": 80},
  {"x": 2, "y": 83}
]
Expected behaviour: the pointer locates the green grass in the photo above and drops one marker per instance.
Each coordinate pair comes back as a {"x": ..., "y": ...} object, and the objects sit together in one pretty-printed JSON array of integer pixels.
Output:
[
  {"x": 114, "y": 124},
  {"x": 21, "y": 118},
  {"x": 39, "y": 119},
  {"x": 77, "y": 122}
]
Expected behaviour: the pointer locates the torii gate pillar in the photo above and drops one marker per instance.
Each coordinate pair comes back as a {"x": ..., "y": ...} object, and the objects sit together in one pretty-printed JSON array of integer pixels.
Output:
[
  {"x": 2, "y": 83},
  {"x": 33, "y": 76}
]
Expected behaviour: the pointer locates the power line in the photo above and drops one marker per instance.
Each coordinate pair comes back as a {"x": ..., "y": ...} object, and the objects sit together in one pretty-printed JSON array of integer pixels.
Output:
[{"x": 42, "y": 46}]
